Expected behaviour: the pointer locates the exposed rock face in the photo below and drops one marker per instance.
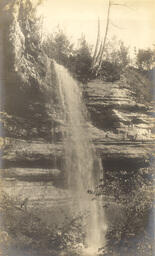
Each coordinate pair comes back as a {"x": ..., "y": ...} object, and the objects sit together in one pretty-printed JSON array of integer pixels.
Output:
[
  {"x": 28, "y": 81},
  {"x": 114, "y": 107},
  {"x": 121, "y": 131},
  {"x": 121, "y": 127},
  {"x": 32, "y": 150},
  {"x": 128, "y": 147}
]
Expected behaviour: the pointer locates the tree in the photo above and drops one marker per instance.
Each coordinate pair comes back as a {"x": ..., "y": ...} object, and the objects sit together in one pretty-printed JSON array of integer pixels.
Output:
[
  {"x": 117, "y": 52},
  {"x": 123, "y": 55},
  {"x": 109, "y": 71},
  {"x": 58, "y": 47},
  {"x": 78, "y": 61},
  {"x": 99, "y": 51},
  {"x": 145, "y": 59},
  {"x": 116, "y": 60},
  {"x": 98, "y": 54},
  {"x": 95, "y": 56},
  {"x": 81, "y": 61},
  {"x": 105, "y": 36}
]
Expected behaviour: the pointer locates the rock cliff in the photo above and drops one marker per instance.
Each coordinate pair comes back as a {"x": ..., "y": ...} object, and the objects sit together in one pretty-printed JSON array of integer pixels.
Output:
[
  {"x": 121, "y": 127},
  {"x": 31, "y": 144}
]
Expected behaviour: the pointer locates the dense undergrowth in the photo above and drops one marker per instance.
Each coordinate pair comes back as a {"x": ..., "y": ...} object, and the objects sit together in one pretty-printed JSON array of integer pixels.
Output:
[
  {"x": 23, "y": 232},
  {"x": 133, "y": 193}
]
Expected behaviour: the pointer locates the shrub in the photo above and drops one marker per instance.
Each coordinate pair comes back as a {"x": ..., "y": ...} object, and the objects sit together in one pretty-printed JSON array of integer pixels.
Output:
[
  {"x": 109, "y": 71},
  {"x": 23, "y": 232}
]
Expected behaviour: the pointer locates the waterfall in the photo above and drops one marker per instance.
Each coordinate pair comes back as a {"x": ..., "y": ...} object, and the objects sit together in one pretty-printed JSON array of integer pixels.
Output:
[
  {"x": 79, "y": 158},
  {"x": 2, "y": 83},
  {"x": 1, "y": 69}
]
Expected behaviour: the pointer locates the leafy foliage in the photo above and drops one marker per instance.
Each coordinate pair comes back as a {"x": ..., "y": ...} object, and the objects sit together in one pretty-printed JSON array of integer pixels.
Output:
[
  {"x": 109, "y": 72},
  {"x": 140, "y": 84},
  {"x": 80, "y": 63},
  {"x": 117, "y": 52},
  {"x": 115, "y": 61},
  {"x": 58, "y": 47},
  {"x": 132, "y": 194},
  {"x": 145, "y": 59},
  {"x": 23, "y": 232}
]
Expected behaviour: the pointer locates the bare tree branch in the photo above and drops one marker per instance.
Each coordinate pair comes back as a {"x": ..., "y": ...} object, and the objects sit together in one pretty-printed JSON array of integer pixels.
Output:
[
  {"x": 119, "y": 4},
  {"x": 116, "y": 25},
  {"x": 105, "y": 36},
  {"x": 99, "y": 54},
  {"x": 124, "y": 5},
  {"x": 97, "y": 42}
]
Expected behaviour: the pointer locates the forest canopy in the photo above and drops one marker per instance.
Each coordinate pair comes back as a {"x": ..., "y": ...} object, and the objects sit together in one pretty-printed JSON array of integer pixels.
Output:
[{"x": 79, "y": 60}]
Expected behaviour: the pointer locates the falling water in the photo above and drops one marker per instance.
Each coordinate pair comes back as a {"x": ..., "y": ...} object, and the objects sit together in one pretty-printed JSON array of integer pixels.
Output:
[{"x": 80, "y": 157}]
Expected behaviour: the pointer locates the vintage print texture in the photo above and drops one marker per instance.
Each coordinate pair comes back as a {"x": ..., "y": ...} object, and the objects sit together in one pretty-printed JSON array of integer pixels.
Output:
[{"x": 77, "y": 83}]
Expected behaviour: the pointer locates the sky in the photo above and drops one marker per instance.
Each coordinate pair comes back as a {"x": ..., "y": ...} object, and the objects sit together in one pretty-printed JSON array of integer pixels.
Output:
[{"x": 132, "y": 21}]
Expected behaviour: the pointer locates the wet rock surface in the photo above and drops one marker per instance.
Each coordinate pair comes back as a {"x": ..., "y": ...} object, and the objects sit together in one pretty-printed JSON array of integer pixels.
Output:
[
  {"x": 33, "y": 166},
  {"x": 120, "y": 130},
  {"x": 32, "y": 151},
  {"x": 121, "y": 127}
]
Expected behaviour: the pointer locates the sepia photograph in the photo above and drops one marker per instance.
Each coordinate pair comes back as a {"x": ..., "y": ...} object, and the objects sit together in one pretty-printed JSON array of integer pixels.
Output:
[{"x": 77, "y": 128}]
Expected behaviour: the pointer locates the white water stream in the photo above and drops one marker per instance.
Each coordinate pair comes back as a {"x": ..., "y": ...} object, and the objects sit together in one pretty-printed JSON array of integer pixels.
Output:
[{"x": 79, "y": 160}]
